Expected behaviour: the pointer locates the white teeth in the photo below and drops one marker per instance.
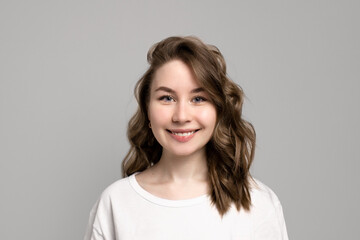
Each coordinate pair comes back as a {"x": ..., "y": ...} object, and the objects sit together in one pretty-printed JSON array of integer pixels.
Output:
[{"x": 183, "y": 134}]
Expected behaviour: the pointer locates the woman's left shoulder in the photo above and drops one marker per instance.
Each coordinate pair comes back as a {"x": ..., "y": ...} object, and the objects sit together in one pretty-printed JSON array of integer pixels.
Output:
[
  {"x": 265, "y": 204},
  {"x": 266, "y": 213},
  {"x": 262, "y": 195}
]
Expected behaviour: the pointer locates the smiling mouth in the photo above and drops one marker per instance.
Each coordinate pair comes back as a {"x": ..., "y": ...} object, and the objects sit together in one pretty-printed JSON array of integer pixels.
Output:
[{"x": 182, "y": 133}]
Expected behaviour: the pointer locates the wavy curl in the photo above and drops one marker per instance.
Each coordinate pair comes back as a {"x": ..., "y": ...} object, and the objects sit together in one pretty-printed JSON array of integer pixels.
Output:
[{"x": 231, "y": 149}]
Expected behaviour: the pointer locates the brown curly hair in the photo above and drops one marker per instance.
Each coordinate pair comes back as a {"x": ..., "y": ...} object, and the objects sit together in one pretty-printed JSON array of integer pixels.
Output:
[{"x": 231, "y": 149}]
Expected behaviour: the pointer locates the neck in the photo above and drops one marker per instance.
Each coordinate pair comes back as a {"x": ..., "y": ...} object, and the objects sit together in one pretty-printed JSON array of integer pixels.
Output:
[{"x": 182, "y": 168}]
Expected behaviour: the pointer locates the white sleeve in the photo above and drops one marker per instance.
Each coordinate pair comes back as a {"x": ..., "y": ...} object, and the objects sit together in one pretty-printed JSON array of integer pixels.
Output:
[
  {"x": 273, "y": 227},
  {"x": 91, "y": 232}
]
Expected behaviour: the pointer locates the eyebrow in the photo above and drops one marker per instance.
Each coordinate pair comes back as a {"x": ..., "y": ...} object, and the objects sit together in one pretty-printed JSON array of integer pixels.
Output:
[{"x": 169, "y": 90}]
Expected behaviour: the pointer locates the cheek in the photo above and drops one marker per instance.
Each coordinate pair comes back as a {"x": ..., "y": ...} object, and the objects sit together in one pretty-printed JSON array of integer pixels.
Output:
[
  {"x": 207, "y": 116},
  {"x": 158, "y": 115}
]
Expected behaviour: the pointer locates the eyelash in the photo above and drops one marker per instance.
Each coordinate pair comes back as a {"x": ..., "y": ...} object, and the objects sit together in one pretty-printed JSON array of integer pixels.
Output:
[
  {"x": 202, "y": 99},
  {"x": 168, "y": 98},
  {"x": 163, "y": 98}
]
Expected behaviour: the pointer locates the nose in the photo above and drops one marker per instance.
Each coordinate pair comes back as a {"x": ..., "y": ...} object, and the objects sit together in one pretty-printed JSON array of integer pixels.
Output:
[{"x": 182, "y": 113}]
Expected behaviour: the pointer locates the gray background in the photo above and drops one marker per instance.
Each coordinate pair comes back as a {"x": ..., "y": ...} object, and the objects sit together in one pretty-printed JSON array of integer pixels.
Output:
[{"x": 68, "y": 69}]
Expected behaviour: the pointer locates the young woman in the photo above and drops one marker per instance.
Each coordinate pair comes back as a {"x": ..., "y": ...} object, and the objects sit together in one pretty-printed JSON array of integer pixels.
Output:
[{"x": 186, "y": 175}]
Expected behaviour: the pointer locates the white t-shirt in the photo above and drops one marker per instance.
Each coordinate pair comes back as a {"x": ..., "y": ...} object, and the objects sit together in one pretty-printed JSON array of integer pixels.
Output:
[{"x": 126, "y": 211}]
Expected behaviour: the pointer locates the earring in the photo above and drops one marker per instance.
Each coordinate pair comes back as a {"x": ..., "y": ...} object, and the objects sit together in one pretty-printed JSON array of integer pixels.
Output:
[{"x": 149, "y": 124}]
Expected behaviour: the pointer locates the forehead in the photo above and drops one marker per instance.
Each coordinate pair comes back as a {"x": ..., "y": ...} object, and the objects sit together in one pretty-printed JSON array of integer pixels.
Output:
[{"x": 175, "y": 75}]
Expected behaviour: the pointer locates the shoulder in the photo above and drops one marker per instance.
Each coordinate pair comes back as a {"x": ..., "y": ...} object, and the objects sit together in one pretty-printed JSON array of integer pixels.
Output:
[
  {"x": 116, "y": 189},
  {"x": 103, "y": 212},
  {"x": 266, "y": 213},
  {"x": 265, "y": 203},
  {"x": 262, "y": 194},
  {"x": 115, "y": 192},
  {"x": 98, "y": 219}
]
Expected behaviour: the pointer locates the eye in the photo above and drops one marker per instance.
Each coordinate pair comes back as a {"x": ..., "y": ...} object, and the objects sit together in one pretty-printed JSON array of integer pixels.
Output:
[
  {"x": 166, "y": 98},
  {"x": 198, "y": 99}
]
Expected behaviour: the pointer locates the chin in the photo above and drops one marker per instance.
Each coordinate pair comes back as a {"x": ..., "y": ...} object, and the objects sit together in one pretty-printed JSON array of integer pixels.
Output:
[{"x": 184, "y": 152}]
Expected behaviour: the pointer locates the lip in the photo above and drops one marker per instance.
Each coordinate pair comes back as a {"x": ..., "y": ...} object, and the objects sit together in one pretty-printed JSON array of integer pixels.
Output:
[{"x": 184, "y": 138}]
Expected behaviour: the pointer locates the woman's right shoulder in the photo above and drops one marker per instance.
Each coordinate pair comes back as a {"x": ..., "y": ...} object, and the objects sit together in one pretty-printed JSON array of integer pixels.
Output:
[
  {"x": 117, "y": 188},
  {"x": 119, "y": 192}
]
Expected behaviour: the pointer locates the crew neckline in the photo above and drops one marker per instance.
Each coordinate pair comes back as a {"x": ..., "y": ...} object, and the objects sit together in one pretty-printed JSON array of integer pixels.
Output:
[{"x": 163, "y": 201}]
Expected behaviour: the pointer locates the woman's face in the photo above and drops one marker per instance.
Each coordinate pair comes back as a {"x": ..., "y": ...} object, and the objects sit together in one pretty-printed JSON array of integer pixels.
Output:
[{"x": 181, "y": 114}]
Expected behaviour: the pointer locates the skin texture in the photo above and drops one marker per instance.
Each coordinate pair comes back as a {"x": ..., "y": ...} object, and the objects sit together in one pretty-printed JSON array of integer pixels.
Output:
[{"x": 178, "y": 104}]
